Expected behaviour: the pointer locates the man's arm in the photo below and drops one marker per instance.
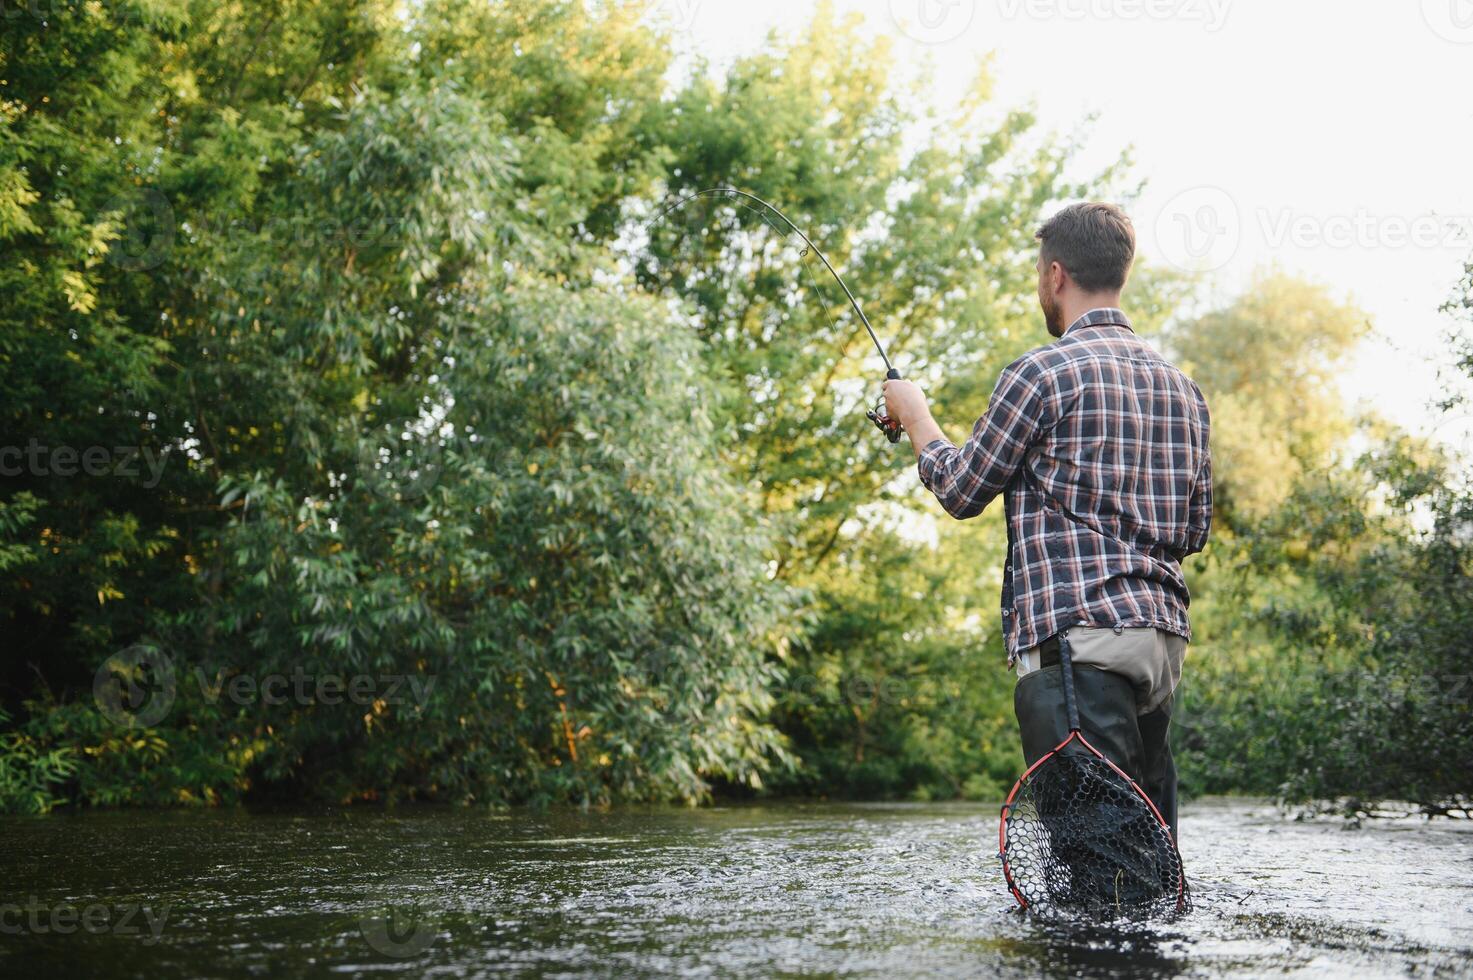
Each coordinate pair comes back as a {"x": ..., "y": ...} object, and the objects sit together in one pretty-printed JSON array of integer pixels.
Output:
[
  {"x": 1199, "y": 511},
  {"x": 923, "y": 430},
  {"x": 966, "y": 480}
]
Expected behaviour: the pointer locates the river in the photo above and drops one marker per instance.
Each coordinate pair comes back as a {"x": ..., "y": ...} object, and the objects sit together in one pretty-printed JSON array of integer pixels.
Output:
[{"x": 864, "y": 890}]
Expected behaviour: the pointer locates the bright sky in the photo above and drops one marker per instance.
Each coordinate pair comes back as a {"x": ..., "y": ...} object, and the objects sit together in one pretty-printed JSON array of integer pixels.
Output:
[{"x": 1333, "y": 138}]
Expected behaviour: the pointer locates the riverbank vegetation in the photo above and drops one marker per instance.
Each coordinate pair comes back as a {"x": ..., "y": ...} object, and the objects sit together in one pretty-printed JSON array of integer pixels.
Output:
[{"x": 336, "y": 347}]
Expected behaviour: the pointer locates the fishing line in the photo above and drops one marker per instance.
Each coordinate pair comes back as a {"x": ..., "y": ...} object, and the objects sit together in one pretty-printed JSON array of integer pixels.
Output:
[
  {"x": 762, "y": 217},
  {"x": 883, "y": 422}
]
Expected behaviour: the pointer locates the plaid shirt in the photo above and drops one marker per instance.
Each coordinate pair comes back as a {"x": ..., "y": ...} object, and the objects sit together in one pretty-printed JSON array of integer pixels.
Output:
[{"x": 1099, "y": 446}]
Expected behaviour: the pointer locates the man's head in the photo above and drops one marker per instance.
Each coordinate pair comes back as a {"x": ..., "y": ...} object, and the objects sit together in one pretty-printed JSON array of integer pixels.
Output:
[{"x": 1084, "y": 257}]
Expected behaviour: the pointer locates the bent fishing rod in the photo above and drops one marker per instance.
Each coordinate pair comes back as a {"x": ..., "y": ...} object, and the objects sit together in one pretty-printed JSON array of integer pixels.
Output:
[{"x": 883, "y": 422}]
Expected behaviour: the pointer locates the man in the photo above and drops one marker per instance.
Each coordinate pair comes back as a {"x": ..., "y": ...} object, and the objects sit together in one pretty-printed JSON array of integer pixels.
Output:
[{"x": 1099, "y": 447}]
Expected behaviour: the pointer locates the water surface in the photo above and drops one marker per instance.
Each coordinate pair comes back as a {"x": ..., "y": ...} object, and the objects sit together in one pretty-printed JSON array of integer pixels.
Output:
[{"x": 780, "y": 890}]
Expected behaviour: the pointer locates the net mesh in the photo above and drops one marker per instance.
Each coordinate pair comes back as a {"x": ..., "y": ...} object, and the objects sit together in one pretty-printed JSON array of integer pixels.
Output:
[{"x": 1080, "y": 839}]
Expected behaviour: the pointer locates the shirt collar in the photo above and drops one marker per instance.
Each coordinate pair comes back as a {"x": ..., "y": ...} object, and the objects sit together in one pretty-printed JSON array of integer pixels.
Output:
[{"x": 1100, "y": 317}]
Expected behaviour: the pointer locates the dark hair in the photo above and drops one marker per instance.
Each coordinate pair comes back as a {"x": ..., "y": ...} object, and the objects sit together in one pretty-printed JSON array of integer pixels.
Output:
[{"x": 1094, "y": 242}]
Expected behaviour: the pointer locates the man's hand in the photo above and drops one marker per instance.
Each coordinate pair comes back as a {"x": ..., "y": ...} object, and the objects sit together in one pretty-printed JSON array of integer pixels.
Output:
[{"x": 906, "y": 403}]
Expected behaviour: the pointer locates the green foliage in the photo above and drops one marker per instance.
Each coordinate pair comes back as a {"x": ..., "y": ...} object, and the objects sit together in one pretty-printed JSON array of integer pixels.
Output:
[
  {"x": 576, "y": 589},
  {"x": 1362, "y": 693},
  {"x": 1269, "y": 362},
  {"x": 1332, "y": 613},
  {"x": 303, "y": 275},
  {"x": 194, "y": 761},
  {"x": 30, "y": 773},
  {"x": 406, "y": 392},
  {"x": 898, "y": 690}
]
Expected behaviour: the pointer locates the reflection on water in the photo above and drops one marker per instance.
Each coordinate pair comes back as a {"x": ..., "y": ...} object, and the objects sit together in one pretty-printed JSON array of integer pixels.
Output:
[{"x": 864, "y": 890}]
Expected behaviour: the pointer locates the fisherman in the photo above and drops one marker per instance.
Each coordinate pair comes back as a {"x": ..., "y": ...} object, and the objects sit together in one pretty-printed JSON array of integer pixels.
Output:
[{"x": 1099, "y": 446}]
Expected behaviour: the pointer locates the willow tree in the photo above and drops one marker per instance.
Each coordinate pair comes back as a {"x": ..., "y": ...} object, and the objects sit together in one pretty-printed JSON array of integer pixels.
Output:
[{"x": 408, "y": 436}]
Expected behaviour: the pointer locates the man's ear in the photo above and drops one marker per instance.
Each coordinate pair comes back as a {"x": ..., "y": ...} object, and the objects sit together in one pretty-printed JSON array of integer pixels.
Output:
[{"x": 1057, "y": 276}]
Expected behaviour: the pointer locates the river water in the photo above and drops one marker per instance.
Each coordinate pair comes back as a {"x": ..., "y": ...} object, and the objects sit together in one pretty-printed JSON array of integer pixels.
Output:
[{"x": 883, "y": 890}]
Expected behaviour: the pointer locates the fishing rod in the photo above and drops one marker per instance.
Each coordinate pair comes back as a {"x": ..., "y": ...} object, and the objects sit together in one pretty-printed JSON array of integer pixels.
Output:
[{"x": 891, "y": 427}]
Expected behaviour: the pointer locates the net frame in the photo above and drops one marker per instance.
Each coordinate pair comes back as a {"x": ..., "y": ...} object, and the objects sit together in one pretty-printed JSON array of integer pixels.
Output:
[{"x": 1127, "y": 786}]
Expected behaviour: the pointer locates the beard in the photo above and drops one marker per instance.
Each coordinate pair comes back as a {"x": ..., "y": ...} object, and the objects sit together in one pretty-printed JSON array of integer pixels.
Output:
[{"x": 1053, "y": 315}]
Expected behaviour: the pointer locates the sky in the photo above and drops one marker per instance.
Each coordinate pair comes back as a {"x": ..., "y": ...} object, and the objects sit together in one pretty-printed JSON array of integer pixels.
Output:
[{"x": 1331, "y": 139}]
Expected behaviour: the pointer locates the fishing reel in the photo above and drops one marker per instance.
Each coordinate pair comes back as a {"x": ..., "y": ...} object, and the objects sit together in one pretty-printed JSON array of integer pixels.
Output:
[{"x": 891, "y": 427}]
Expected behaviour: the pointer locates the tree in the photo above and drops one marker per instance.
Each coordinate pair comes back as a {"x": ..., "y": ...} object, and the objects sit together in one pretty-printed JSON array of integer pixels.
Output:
[
  {"x": 1268, "y": 363},
  {"x": 399, "y": 416},
  {"x": 1332, "y": 627}
]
